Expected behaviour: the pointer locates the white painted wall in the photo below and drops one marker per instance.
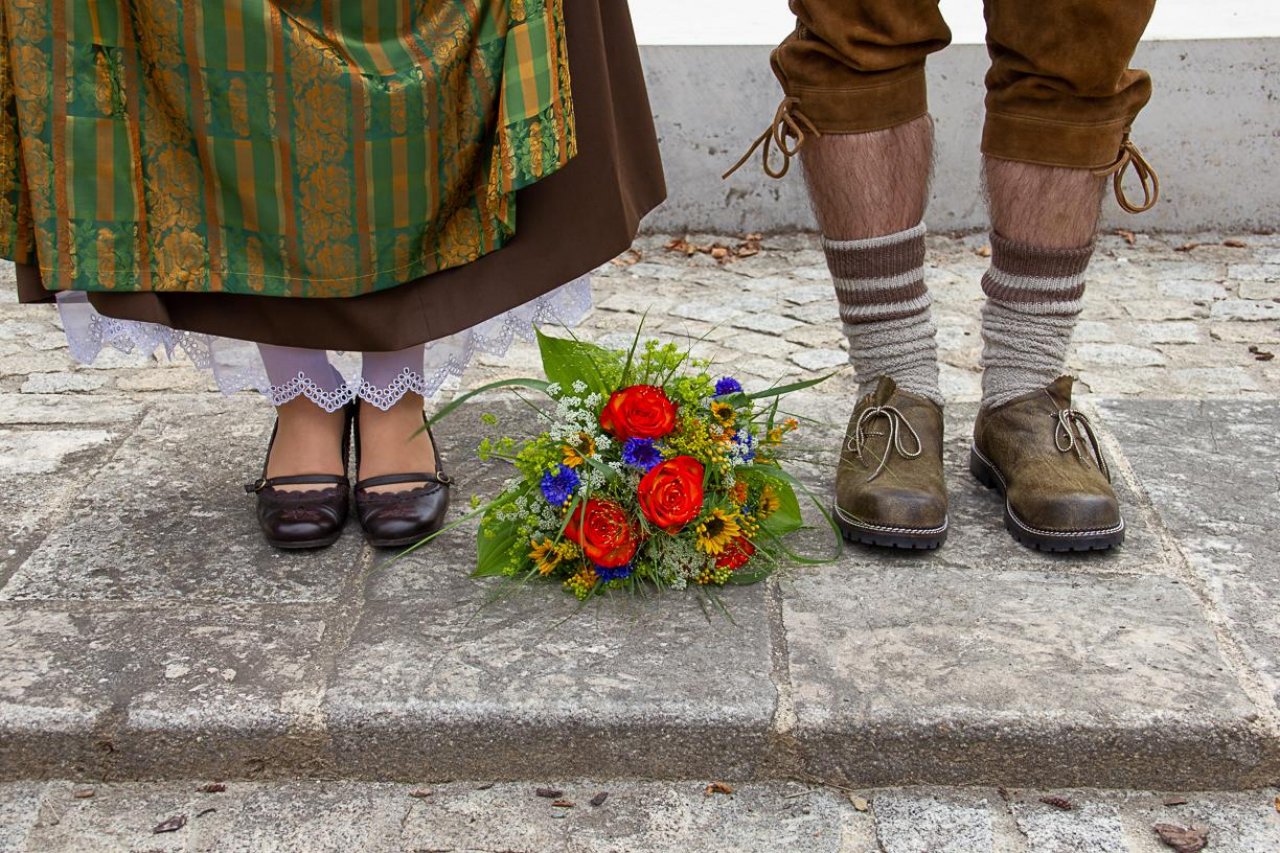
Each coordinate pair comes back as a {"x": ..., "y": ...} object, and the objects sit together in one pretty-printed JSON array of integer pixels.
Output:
[{"x": 756, "y": 22}]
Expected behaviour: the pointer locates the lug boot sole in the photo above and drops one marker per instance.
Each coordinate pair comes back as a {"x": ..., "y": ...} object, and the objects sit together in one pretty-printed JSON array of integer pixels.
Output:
[
  {"x": 986, "y": 473},
  {"x": 888, "y": 537}
]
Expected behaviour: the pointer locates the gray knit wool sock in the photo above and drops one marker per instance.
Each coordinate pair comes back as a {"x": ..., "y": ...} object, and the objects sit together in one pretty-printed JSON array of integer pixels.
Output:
[
  {"x": 885, "y": 309},
  {"x": 1033, "y": 299}
]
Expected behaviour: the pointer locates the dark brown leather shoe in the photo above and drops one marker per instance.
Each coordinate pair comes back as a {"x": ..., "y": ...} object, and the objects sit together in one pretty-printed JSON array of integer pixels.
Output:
[
  {"x": 313, "y": 518},
  {"x": 399, "y": 518},
  {"x": 1043, "y": 456},
  {"x": 889, "y": 486}
]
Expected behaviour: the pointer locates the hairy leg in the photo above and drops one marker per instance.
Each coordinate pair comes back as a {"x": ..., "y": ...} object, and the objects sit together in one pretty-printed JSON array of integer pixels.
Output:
[
  {"x": 869, "y": 192},
  {"x": 1043, "y": 220},
  {"x": 1045, "y": 206},
  {"x": 870, "y": 184}
]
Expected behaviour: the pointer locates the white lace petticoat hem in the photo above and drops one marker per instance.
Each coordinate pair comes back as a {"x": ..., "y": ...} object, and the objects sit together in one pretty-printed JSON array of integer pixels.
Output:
[{"x": 238, "y": 365}]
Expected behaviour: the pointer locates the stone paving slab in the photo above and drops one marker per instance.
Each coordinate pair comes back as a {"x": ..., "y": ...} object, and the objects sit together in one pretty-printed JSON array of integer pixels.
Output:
[
  {"x": 165, "y": 519},
  {"x": 114, "y": 692},
  {"x": 981, "y": 662},
  {"x": 959, "y": 675},
  {"x": 437, "y": 688},
  {"x": 476, "y": 816},
  {"x": 1212, "y": 470}
]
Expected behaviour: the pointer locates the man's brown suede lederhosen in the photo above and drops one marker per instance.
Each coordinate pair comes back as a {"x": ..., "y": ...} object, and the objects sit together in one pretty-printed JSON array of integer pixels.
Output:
[{"x": 1059, "y": 91}]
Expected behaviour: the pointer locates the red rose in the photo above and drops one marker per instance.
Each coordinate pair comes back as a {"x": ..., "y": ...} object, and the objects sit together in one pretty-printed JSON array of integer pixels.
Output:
[
  {"x": 606, "y": 535},
  {"x": 641, "y": 411},
  {"x": 671, "y": 493},
  {"x": 736, "y": 554}
]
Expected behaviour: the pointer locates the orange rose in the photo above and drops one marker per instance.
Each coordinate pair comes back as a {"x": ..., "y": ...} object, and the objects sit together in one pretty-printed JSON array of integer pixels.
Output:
[
  {"x": 604, "y": 531},
  {"x": 671, "y": 493},
  {"x": 641, "y": 411}
]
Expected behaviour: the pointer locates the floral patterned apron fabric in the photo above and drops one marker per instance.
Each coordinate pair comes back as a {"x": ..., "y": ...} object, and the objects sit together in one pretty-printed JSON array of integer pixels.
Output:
[{"x": 289, "y": 148}]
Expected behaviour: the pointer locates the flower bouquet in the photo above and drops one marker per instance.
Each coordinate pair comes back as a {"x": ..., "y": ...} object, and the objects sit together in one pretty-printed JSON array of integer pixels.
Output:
[{"x": 649, "y": 470}]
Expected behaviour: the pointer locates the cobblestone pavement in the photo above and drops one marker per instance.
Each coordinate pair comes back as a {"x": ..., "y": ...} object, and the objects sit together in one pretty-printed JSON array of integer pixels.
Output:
[
  {"x": 1158, "y": 321},
  {"x": 634, "y": 817}
]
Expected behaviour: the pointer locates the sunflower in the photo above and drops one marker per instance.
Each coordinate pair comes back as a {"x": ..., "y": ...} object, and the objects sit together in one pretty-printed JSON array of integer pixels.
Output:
[
  {"x": 575, "y": 454},
  {"x": 548, "y": 555},
  {"x": 769, "y": 502},
  {"x": 717, "y": 531},
  {"x": 723, "y": 413}
]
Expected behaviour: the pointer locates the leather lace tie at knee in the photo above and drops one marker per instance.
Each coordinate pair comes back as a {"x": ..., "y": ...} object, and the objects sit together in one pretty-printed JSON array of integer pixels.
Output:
[
  {"x": 1072, "y": 431},
  {"x": 1130, "y": 156},
  {"x": 788, "y": 124},
  {"x": 897, "y": 425}
]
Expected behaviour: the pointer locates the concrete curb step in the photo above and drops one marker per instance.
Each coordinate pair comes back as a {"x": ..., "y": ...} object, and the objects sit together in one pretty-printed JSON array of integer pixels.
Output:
[{"x": 131, "y": 647}]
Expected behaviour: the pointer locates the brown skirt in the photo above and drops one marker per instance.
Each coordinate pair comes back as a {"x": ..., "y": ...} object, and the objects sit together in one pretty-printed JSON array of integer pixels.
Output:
[{"x": 567, "y": 224}]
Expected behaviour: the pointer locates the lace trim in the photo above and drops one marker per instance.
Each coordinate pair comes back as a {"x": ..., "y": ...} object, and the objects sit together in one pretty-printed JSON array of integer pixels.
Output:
[{"x": 237, "y": 366}]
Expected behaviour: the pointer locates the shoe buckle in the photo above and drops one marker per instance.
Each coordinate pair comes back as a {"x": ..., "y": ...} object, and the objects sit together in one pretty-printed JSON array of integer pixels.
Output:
[
  {"x": 256, "y": 486},
  {"x": 443, "y": 479}
]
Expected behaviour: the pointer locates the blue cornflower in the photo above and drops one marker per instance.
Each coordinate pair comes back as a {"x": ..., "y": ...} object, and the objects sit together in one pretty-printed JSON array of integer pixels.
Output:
[
  {"x": 559, "y": 484},
  {"x": 728, "y": 385},
  {"x": 615, "y": 574},
  {"x": 746, "y": 445},
  {"x": 641, "y": 454}
]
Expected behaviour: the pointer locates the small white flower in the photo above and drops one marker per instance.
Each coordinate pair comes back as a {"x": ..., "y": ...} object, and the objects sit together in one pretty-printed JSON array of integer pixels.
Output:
[{"x": 579, "y": 387}]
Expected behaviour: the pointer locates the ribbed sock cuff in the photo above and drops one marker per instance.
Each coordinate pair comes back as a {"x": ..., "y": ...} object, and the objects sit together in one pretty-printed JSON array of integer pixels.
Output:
[
  {"x": 1046, "y": 281},
  {"x": 884, "y": 306},
  {"x": 879, "y": 278}
]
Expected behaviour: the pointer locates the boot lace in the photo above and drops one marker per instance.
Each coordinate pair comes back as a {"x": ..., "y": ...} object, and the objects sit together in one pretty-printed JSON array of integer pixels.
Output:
[
  {"x": 899, "y": 428},
  {"x": 1073, "y": 432}
]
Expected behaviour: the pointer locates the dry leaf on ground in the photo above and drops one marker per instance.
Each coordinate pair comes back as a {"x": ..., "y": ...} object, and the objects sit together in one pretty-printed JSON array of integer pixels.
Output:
[
  {"x": 1235, "y": 244},
  {"x": 1183, "y": 839},
  {"x": 630, "y": 257},
  {"x": 1260, "y": 354},
  {"x": 1185, "y": 247},
  {"x": 549, "y": 793},
  {"x": 1058, "y": 803},
  {"x": 420, "y": 793},
  {"x": 598, "y": 799},
  {"x": 723, "y": 253},
  {"x": 173, "y": 824},
  {"x": 1175, "y": 801},
  {"x": 859, "y": 803},
  {"x": 212, "y": 788},
  {"x": 83, "y": 793},
  {"x": 1129, "y": 236},
  {"x": 717, "y": 788},
  {"x": 983, "y": 251}
]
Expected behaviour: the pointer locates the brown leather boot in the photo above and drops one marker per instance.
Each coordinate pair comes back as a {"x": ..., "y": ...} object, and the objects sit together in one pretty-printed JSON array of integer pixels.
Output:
[
  {"x": 1043, "y": 456},
  {"x": 889, "y": 486}
]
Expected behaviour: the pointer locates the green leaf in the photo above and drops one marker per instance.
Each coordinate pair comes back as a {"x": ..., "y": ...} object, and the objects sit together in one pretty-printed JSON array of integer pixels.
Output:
[
  {"x": 567, "y": 361},
  {"x": 779, "y": 390},
  {"x": 746, "y": 575},
  {"x": 787, "y": 517},
  {"x": 494, "y": 553},
  {"x": 535, "y": 384}
]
